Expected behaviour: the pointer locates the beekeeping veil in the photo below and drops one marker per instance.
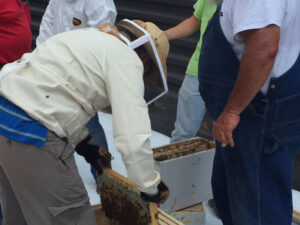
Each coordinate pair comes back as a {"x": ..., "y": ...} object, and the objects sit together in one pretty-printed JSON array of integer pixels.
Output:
[{"x": 156, "y": 44}]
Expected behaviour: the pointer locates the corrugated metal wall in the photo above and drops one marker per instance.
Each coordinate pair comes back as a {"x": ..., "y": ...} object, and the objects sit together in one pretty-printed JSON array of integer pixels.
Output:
[
  {"x": 37, "y": 9},
  {"x": 165, "y": 13}
]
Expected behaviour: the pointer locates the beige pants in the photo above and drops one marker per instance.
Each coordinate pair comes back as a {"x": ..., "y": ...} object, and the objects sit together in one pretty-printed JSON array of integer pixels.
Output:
[{"x": 42, "y": 186}]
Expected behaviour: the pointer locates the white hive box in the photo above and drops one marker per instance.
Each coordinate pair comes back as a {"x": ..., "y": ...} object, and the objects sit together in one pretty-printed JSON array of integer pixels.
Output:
[{"x": 186, "y": 167}]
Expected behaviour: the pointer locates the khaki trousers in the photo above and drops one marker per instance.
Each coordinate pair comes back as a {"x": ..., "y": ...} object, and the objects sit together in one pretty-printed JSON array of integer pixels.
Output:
[{"x": 42, "y": 186}]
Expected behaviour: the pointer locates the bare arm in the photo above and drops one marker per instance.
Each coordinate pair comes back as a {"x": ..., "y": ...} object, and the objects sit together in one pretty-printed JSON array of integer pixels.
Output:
[
  {"x": 184, "y": 29},
  {"x": 261, "y": 47}
]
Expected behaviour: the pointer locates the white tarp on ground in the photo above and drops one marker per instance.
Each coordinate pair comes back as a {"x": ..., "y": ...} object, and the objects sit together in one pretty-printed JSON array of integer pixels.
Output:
[{"x": 157, "y": 139}]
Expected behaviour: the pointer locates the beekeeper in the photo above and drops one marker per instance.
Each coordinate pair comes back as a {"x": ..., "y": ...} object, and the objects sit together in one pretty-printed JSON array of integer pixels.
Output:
[{"x": 46, "y": 99}]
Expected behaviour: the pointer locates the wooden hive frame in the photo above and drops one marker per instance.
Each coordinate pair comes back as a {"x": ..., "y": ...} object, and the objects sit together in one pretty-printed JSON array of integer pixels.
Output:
[
  {"x": 182, "y": 148},
  {"x": 296, "y": 216},
  {"x": 117, "y": 207},
  {"x": 165, "y": 219}
]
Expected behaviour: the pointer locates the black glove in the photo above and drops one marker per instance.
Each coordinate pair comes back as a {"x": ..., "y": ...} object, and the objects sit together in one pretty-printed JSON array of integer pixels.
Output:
[
  {"x": 160, "y": 197},
  {"x": 97, "y": 157}
]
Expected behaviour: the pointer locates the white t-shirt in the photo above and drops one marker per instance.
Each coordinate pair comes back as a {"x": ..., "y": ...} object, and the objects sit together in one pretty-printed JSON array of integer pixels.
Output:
[{"x": 241, "y": 15}]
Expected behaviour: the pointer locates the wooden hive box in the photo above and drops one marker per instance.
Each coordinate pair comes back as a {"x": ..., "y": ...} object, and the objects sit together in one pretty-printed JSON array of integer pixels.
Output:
[
  {"x": 163, "y": 218},
  {"x": 186, "y": 167},
  {"x": 296, "y": 206},
  {"x": 194, "y": 215}
]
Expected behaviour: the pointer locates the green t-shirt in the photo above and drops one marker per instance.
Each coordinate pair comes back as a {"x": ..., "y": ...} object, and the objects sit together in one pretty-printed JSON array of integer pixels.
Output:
[{"x": 204, "y": 11}]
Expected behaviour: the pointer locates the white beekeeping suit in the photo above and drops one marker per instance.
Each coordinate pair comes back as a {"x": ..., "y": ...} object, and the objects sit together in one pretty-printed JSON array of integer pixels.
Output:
[{"x": 66, "y": 15}]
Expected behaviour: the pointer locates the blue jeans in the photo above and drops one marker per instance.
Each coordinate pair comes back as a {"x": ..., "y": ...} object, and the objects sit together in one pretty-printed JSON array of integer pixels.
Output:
[
  {"x": 97, "y": 133},
  {"x": 190, "y": 110}
]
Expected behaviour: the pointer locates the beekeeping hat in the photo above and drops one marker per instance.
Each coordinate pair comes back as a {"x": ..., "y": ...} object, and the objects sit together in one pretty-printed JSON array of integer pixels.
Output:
[{"x": 156, "y": 44}]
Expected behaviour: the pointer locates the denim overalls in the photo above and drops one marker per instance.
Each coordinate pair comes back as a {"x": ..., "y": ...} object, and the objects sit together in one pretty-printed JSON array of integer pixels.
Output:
[{"x": 251, "y": 182}]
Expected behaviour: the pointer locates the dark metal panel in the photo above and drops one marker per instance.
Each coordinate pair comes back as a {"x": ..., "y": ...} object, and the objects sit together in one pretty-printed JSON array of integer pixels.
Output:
[{"x": 37, "y": 9}]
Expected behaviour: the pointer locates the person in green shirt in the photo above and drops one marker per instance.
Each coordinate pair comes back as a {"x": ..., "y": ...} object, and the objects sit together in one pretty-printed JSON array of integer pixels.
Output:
[{"x": 191, "y": 108}]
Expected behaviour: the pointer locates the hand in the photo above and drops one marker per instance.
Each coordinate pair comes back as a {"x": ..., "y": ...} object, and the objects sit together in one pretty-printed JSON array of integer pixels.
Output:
[
  {"x": 224, "y": 127},
  {"x": 97, "y": 157},
  {"x": 160, "y": 197}
]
